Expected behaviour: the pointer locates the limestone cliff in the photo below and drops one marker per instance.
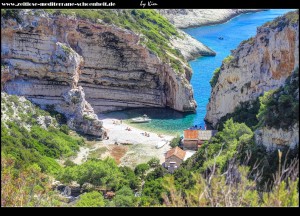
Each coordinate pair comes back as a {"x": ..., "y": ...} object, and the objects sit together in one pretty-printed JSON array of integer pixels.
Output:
[
  {"x": 257, "y": 65},
  {"x": 82, "y": 67},
  {"x": 186, "y": 18},
  {"x": 274, "y": 138}
]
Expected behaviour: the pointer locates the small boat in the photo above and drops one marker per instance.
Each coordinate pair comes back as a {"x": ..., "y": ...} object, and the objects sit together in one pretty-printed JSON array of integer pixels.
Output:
[
  {"x": 142, "y": 119},
  {"x": 161, "y": 144},
  {"x": 221, "y": 38}
]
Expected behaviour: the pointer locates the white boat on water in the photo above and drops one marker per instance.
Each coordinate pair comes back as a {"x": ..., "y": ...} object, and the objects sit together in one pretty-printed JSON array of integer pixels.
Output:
[
  {"x": 161, "y": 144},
  {"x": 142, "y": 119}
]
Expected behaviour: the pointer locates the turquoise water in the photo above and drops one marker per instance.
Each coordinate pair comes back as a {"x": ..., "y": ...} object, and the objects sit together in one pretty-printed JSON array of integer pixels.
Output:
[{"x": 234, "y": 31}]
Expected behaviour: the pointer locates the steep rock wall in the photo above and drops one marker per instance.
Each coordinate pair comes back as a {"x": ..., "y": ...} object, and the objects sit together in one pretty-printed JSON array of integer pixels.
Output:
[
  {"x": 49, "y": 56},
  {"x": 273, "y": 138},
  {"x": 260, "y": 64}
]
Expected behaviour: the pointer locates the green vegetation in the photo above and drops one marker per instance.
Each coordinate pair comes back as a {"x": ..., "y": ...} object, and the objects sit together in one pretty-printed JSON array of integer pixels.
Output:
[
  {"x": 217, "y": 190},
  {"x": 215, "y": 78},
  {"x": 11, "y": 14},
  {"x": 130, "y": 179},
  {"x": 68, "y": 162},
  {"x": 156, "y": 29},
  {"x": 250, "y": 41},
  {"x": 97, "y": 153},
  {"x": 124, "y": 197},
  {"x": 38, "y": 146},
  {"x": 154, "y": 162},
  {"x": 91, "y": 199},
  {"x": 33, "y": 144},
  {"x": 25, "y": 187},
  {"x": 222, "y": 147},
  {"x": 87, "y": 117},
  {"x": 228, "y": 59},
  {"x": 280, "y": 108},
  {"x": 66, "y": 49},
  {"x": 141, "y": 169},
  {"x": 175, "y": 141},
  {"x": 97, "y": 172},
  {"x": 228, "y": 170},
  {"x": 229, "y": 164}
]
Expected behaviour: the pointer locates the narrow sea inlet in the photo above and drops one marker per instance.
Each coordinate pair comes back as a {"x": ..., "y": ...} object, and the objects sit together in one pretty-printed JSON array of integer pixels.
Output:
[{"x": 222, "y": 38}]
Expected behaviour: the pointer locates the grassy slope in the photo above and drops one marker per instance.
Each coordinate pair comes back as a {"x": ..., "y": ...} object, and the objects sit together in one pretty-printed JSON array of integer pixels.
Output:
[{"x": 23, "y": 138}]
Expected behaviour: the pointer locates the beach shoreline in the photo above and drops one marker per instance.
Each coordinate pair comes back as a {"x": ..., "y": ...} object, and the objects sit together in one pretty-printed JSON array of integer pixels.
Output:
[{"x": 139, "y": 147}]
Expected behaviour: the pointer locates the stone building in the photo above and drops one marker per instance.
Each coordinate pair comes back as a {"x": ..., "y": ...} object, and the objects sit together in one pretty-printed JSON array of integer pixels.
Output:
[{"x": 174, "y": 158}]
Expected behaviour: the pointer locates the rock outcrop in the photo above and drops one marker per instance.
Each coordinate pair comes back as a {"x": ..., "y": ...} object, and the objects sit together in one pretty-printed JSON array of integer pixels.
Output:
[
  {"x": 190, "y": 47},
  {"x": 81, "y": 67},
  {"x": 186, "y": 18},
  {"x": 18, "y": 109},
  {"x": 259, "y": 64},
  {"x": 274, "y": 138}
]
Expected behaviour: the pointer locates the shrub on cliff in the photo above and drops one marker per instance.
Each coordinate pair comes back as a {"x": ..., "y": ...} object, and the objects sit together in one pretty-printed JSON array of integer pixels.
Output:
[
  {"x": 215, "y": 78},
  {"x": 280, "y": 108},
  {"x": 228, "y": 59}
]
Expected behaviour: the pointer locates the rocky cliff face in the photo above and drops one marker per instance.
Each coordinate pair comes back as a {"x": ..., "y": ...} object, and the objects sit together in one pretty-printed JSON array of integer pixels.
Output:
[
  {"x": 185, "y": 18},
  {"x": 260, "y": 64},
  {"x": 81, "y": 67},
  {"x": 274, "y": 138}
]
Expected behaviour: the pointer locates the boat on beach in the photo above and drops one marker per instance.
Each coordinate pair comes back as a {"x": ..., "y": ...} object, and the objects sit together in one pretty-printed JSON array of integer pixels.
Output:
[{"x": 142, "y": 119}]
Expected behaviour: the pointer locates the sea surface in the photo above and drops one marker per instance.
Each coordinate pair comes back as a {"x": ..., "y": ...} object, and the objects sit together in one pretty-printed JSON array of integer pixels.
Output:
[{"x": 233, "y": 32}]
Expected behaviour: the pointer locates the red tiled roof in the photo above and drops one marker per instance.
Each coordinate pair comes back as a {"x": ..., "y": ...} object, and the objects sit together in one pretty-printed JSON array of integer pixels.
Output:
[
  {"x": 178, "y": 152},
  {"x": 191, "y": 134}
]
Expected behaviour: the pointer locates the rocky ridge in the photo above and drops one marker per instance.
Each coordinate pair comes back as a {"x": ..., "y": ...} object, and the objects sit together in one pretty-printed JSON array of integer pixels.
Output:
[{"x": 187, "y": 18}]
